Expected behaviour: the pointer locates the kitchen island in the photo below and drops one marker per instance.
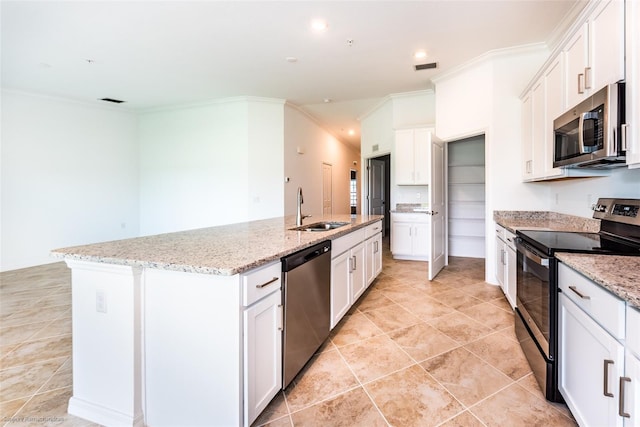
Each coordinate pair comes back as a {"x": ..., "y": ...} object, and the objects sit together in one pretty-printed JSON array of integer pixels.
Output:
[{"x": 183, "y": 328}]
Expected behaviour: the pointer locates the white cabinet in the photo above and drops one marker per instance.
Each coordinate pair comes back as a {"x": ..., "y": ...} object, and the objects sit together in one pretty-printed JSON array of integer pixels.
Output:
[
  {"x": 262, "y": 320},
  {"x": 506, "y": 267},
  {"x": 595, "y": 54},
  {"x": 348, "y": 266},
  {"x": 527, "y": 137},
  {"x": 412, "y": 156},
  {"x": 598, "y": 376},
  {"x": 633, "y": 83},
  {"x": 410, "y": 236},
  {"x": 373, "y": 250}
]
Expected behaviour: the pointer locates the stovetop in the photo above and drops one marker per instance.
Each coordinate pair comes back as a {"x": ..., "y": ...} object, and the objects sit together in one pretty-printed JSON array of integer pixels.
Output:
[
  {"x": 619, "y": 232},
  {"x": 564, "y": 241}
]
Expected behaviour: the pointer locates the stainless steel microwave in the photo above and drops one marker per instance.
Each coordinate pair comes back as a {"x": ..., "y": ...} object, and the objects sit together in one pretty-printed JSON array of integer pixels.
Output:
[{"x": 591, "y": 135}]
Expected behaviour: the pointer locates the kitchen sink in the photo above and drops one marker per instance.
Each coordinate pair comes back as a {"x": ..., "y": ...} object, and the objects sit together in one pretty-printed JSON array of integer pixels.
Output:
[{"x": 321, "y": 226}]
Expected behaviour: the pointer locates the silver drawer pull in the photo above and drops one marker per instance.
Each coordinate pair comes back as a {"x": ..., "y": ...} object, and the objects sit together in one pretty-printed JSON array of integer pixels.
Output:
[
  {"x": 621, "y": 411},
  {"x": 573, "y": 288},
  {"x": 275, "y": 279},
  {"x": 605, "y": 385}
]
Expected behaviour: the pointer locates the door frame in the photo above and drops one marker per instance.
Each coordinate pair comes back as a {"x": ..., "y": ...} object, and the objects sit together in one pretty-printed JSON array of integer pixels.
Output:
[{"x": 366, "y": 188}]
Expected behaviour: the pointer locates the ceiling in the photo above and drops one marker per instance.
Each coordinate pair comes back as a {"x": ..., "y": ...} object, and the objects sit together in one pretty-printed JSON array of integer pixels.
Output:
[{"x": 163, "y": 53}]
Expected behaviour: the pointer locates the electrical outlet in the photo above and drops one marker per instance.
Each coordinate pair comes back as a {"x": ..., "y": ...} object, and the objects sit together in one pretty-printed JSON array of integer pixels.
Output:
[
  {"x": 417, "y": 195},
  {"x": 101, "y": 302}
]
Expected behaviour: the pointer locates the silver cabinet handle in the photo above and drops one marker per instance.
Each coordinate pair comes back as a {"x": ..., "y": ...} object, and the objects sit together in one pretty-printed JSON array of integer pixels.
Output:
[
  {"x": 587, "y": 78},
  {"x": 267, "y": 283},
  {"x": 581, "y": 295},
  {"x": 580, "y": 83},
  {"x": 621, "y": 411},
  {"x": 605, "y": 384},
  {"x": 355, "y": 263},
  {"x": 623, "y": 137},
  {"x": 280, "y": 317}
]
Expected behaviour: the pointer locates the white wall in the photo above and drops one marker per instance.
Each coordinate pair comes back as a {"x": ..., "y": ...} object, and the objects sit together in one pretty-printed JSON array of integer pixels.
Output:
[
  {"x": 69, "y": 176},
  {"x": 305, "y": 170},
  {"x": 376, "y": 128},
  {"x": 210, "y": 164}
]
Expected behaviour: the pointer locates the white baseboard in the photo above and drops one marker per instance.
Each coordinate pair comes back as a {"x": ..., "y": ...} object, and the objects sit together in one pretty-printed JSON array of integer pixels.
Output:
[{"x": 101, "y": 415}]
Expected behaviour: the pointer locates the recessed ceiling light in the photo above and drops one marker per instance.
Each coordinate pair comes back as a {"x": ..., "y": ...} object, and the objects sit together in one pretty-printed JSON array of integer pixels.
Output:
[
  {"x": 327, "y": 100},
  {"x": 352, "y": 132},
  {"x": 420, "y": 54},
  {"x": 319, "y": 25},
  {"x": 291, "y": 59}
]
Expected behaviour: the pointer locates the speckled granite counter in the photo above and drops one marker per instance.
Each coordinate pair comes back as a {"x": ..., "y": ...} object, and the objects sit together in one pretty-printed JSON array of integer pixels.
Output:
[
  {"x": 618, "y": 274},
  {"x": 531, "y": 220},
  {"x": 410, "y": 208},
  {"x": 223, "y": 250}
]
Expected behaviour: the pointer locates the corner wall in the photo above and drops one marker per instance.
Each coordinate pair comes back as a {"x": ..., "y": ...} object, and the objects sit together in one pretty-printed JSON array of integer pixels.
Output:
[{"x": 69, "y": 176}]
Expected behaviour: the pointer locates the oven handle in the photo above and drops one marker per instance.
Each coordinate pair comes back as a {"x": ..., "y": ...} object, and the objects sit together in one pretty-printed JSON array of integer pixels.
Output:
[{"x": 528, "y": 252}]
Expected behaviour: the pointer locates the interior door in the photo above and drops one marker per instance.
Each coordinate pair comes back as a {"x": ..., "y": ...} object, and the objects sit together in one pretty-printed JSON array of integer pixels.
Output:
[
  {"x": 437, "y": 229},
  {"x": 376, "y": 187},
  {"x": 327, "y": 196}
]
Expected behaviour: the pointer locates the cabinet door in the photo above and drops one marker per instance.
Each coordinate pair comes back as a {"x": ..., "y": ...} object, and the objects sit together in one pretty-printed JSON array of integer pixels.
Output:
[
  {"x": 631, "y": 383},
  {"x": 377, "y": 255},
  {"x": 510, "y": 275},
  {"x": 358, "y": 278},
  {"x": 420, "y": 240},
  {"x": 576, "y": 60},
  {"x": 554, "y": 94},
  {"x": 401, "y": 236},
  {"x": 539, "y": 127},
  {"x": 404, "y": 168},
  {"x": 369, "y": 260},
  {"x": 340, "y": 291},
  {"x": 527, "y": 138},
  {"x": 606, "y": 42},
  {"x": 500, "y": 247},
  {"x": 591, "y": 362},
  {"x": 262, "y": 354},
  {"x": 421, "y": 156},
  {"x": 633, "y": 83}
]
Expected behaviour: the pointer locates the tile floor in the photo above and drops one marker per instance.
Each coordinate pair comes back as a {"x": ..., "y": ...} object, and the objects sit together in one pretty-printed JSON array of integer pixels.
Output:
[{"x": 409, "y": 353}]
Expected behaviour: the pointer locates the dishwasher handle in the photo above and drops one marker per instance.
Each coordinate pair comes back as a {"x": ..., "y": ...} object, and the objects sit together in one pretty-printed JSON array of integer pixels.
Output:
[{"x": 304, "y": 256}]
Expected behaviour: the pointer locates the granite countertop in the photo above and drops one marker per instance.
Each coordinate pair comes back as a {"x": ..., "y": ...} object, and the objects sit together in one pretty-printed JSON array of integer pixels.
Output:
[
  {"x": 223, "y": 250},
  {"x": 618, "y": 274},
  {"x": 410, "y": 208},
  {"x": 544, "y": 220}
]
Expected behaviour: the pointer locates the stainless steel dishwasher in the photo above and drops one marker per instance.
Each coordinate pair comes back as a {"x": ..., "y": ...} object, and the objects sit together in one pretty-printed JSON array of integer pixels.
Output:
[{"x": 307, "y": 306}]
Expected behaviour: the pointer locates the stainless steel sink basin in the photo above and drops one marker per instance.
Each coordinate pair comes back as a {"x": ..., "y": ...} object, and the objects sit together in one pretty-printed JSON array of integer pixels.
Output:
[{"x": 320, "y": 226}]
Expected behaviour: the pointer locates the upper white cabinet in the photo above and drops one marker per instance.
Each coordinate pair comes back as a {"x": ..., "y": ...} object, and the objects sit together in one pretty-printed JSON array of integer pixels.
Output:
[
  {"x": 633, "y": 83},
  {"x": 595, "y": 53},
  {"x": 412, "y": 156}
]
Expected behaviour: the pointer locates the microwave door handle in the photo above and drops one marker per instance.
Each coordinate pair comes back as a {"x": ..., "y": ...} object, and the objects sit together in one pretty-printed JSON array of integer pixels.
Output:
[{"x": 581, "y": 133}]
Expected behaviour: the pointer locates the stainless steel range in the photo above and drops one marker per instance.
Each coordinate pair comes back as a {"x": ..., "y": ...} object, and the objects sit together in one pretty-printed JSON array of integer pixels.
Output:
[{"x": 537, "y": 286}]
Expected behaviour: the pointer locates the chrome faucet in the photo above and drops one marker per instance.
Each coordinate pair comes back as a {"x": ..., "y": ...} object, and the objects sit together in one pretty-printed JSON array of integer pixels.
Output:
[{"x": 299, "y": 216}]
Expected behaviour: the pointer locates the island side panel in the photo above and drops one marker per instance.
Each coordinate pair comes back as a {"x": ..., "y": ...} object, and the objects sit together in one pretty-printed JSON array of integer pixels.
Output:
[
  {"x": 192, "y": 348},
  {"x": 106, "y": 343}
]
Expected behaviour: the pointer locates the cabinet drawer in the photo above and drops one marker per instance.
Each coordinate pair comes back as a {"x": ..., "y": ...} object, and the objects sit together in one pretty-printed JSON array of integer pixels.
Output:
[
  {"x": 346, "y": 242},
  {"x": 410, "y": 217},
  {"x": 604, "y": 307},
  {"x": 500, "y": 232},
  {"x": 373, "y": 229},
  {"x": 510, "y": 239},
  {"x": 633, "y": 330},
  {"x": 260, "y": 282}
]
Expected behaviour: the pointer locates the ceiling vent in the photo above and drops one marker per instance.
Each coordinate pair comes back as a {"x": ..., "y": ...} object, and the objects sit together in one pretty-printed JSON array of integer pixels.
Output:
[
  {"x": 115, "y": 101},
  {"x": 426, "y": 66}
]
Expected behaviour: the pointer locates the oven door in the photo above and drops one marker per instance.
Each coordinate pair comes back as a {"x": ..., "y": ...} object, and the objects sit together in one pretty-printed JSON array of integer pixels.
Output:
[{"x": 533, "y": 293}]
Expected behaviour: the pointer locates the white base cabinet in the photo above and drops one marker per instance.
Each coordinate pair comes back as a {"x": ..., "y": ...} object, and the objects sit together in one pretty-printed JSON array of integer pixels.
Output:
[
  {"x": 410, "y": 236},
  {"x": 598, "y": 365},
  {"x": 506, "y": 263}
]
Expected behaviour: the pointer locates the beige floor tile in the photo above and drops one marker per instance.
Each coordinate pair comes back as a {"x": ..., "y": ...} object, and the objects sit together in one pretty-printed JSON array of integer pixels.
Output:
[
  {"x": 426, "y": 308},
  {"x": 466, "y": 376},
  {"x": 20, "y": 333},
  {"x": 465, "y": 419},
  {"x": 402, "y": 293},
  {"x": 503, "y": 354},
  {"x": 373, "y": 299},
  {"x": 391, "y": 317},
  {"x": 457, "y": 299},
  {"x": 38, "y": 350},
  {"x": 8, "y": 409},
  {"x": 326, "y": 375},
  {"x": 501, "y": 302},
  {"x": 353, "y": 408},
  {"x": 489, "y": 315},
  {"x": 529, "y": 383},
  {"x": 51, "y": 406},
  {"x": 62, "y": 378},
  {"x": 483, "y": 291},
  {"x": 57, "y": 327},
  {"x": 25, "y": 380},
  {"x": 276, "y": 409},
  {"x": 460, "y": 327},
  {"x": 514, "y": 406},
  {"x": 33, "y": 315},
  {"x": 385, "y": 281},
  {"x": 375, "y": 357},
  {"x": 412, "y": 398},
  {"x": 354, "y": 328},
  {"x": 422, "y": 341},
  {"x": 433, "y": 287}
]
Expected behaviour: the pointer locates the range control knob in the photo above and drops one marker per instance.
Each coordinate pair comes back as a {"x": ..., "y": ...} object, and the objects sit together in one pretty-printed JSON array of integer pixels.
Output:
[{"x": 599, "y": 208}]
